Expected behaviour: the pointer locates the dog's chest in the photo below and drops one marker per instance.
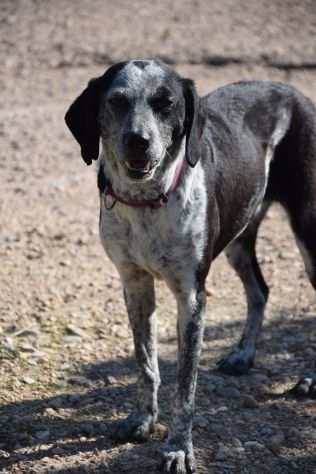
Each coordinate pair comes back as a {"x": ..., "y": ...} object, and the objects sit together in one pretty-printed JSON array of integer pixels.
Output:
[{"x": 161, "y": 240}]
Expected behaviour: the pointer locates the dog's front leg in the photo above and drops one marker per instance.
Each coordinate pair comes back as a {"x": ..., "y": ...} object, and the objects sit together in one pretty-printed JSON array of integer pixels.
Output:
[
  {"x": 178, "y": 455},
  {"x": 139, "y": 297}
]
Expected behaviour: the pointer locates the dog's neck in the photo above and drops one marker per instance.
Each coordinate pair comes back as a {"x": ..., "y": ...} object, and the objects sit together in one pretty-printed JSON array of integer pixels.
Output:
[{"x": 128, "y": 190}]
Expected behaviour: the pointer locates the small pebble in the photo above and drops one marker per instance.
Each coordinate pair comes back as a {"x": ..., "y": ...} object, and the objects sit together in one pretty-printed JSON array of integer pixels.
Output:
[
  {"x": 49, "y": 412},
  {"x": 161, "y": 430},
  {"x": 75, "y": 331},
  {"x": 87, "y": 429},
  {"x": 209, "y": 388},
  {"x": 259, "y": 379},
  {"x": 111, "y": 380},
  {"x": 56, "y": 402},
  {"x": 27, "y": 380},
  {"x": 275, "y": 442},
  {"x": 303, "y": 386},
  {"x": 42, "y": 435},
  {"x": 293, "y": 434},
  {"x": 248, "y": 401},
  {"x": 215, "y": 380},
  {"x": 223, "y": 452},
  {"x": 79, "y": 380},
  {"x": 74, "y": 398},
  {"x": 201, "y": 422},
  {"x": 309, "y": 352},
  {"x": 229, "y": 392},
  {"x": 236, "y": 443},
  {"x": 58, "y": 450},
  {"x": 253, "y": 445}
]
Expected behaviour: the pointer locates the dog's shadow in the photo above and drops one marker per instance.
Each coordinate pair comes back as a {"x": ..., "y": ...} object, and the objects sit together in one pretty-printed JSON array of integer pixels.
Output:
[
  {"x": 83, "y": 420},
  {"x": 79, "y": 421}
]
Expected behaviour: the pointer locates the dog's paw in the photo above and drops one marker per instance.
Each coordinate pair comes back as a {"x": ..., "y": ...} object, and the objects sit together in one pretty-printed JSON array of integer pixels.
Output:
[
  {"x": 178, "y": 461},
  {"x": 135, "y": 428},
  {"x": 238, "y": 362},
  {"x": 306, "y": 387}
]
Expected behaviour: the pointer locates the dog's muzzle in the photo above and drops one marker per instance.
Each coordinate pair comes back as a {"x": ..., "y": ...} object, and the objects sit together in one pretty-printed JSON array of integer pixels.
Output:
[
  {"x": 137, "y": 161},
  {"x": 140, "y": 169}
]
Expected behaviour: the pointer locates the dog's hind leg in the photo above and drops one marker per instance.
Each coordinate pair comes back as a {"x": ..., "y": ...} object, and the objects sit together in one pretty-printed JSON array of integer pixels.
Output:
[
  {"x": 241, "y": 255},
  {"x": 304, "y": 227},
  {"x": 140, "y": 302}
]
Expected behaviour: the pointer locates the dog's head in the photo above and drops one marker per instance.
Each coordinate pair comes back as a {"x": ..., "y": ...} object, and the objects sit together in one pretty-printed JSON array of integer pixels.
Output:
[{"x": 142, "y": 110}]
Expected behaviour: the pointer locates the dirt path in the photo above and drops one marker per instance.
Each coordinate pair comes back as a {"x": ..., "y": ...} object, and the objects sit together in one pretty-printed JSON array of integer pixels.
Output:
[{"x": 66, "y": 356}]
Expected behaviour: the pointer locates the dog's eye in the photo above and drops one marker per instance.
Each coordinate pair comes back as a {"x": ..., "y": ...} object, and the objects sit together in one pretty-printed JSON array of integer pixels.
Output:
[
  {"x": 118, "y": 102},
  {"x": 162, "y": 104}
]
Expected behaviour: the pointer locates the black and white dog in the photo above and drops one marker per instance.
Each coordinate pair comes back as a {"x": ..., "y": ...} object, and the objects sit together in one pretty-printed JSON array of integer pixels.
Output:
[{"x": 182, "y": 178}]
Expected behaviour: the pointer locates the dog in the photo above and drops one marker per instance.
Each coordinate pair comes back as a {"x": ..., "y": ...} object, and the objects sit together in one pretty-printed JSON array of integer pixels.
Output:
[{"x": 181, "y": 179}]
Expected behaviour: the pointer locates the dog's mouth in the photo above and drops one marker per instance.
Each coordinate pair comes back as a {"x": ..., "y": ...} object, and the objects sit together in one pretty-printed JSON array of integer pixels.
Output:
[{"x": 141, "y": 173}]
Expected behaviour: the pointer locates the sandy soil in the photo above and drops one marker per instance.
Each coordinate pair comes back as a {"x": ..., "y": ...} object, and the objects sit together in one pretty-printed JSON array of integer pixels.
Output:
[{"x": 66, "y": 355}]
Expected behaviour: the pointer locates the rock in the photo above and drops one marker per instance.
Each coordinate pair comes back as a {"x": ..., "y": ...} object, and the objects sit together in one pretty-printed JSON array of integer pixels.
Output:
[
  {"x": 87, "y": 429},
  {"x": 74, "y": 398},
  {"x": 275, "y": 442},
  {"x": 42, "y": 435},
  {"x": 36, "y": 355},
  {"x": 161, "y": 430},
  {"x": 218, "y": 429},
  {"x": 56, "y": 402},
  {"x": 228, "y": 392},
  {"x": 79, "y": 380},
  {"x": 103, "y": 429},
  {"x": 27, "y": 380},
  {"x": 49, "y": 412},
  {"x": 75, "y": 331},
  {"x": 309, "y": 434},
  {"x": 215, "y": 411},
  {"x": 27, "y": 348},
  {"x": 8, "y": 343},
  {"x": 248, "y": 401},
  {"x": 293, "y": 434},
  {"x": 201, "y": 422},
  {"x": 57, "y": 450},
  {"x": 309, "y": 352},
  {"x": 223, "y": 452},
  {"x": 215, "y": 380},
  {"x": 209, "y": 388},
  {"x": 4, "y": 454},
  {"x": 253, "y": 445},
  {"x": 302, "y": 388},
  {"x": 237, "y": 451},
  {"x": 260, "y": 379},
  {"x": 111, "y": 380},
  {"x": 236, "y": 443},
  {"x": 71, "y": 340},
  {"x": 26, "y": 332}
]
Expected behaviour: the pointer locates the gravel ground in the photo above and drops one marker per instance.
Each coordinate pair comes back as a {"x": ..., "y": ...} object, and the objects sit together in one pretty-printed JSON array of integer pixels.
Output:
[{"x": 66, "y": 356}]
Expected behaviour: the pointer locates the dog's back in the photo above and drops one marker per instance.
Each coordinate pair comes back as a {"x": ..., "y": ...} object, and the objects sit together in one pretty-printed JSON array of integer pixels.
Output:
[
  {"x": 252, "y": 104},
  {"x": 245, "y": 115}
]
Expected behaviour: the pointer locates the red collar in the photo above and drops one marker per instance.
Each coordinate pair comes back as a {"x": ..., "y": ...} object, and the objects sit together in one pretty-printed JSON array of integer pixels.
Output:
[{"x": 155, "y": 203}]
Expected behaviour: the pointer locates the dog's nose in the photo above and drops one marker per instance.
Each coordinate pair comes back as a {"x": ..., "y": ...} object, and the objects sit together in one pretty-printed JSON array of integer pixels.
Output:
[{"x": 135, "y": 142}]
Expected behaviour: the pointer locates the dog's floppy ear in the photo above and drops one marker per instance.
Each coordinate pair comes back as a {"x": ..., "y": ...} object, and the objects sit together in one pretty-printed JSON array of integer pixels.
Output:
[
  {"x": 82, "y": 120},
  {"x": 82, "y": 116},
  {"x": 194, "y": 122}
]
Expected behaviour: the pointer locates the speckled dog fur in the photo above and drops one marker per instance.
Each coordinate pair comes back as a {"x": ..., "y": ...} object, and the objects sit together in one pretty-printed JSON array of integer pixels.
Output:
[{"x": 230, "y": 143}]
